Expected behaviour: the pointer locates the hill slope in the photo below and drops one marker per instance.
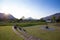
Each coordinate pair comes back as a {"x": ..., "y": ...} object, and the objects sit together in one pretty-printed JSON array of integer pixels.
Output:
[
  {"x": 6, "y": 33},
  {"x": 4, "y": 16},
  {"x": 49, "y": 17}
]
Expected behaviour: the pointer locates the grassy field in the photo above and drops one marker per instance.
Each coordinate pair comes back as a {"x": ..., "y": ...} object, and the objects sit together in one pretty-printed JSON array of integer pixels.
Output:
[
  {"x": 22, "y": 24},
  {"x": 44, "y": 34},
  {"x": 6, "y": 33}
]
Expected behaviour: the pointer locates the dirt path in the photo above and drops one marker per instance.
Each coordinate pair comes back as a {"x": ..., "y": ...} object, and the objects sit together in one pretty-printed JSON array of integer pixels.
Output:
[
  {"x": 24, "y": 34},
  {"x": 17, "y": 32}
]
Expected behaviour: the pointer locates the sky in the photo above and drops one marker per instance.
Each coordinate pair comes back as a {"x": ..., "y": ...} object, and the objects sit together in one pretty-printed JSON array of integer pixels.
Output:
[{"x": 30, "y": 8}]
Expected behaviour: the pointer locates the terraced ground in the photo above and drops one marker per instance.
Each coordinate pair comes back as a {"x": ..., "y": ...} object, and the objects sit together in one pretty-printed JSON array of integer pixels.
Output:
[
  {"x": 25, "y": 35},
  {"x": 6, "y": 33},
  {"x": 44, "y": 34}
]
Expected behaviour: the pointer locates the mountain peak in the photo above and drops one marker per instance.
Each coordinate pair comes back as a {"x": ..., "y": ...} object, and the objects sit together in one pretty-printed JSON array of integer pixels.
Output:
[
  {"x": 57, "y": 14},
  {"x": 49, "y": 17},
  {"x": 3, "y": 16}
]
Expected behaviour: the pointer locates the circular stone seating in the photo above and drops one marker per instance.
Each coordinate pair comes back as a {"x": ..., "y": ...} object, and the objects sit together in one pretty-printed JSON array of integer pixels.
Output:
[{"x": 47, "y": 28}]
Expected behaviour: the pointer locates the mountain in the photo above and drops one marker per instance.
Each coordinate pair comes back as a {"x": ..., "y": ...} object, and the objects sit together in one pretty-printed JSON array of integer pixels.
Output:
[
  {"x": 6, "y": 16},
  {"x": 30, "y": 18},
  {"x": 49, "y": 17}
]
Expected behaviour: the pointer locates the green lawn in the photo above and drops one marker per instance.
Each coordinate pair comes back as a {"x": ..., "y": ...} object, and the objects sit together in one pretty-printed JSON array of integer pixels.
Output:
[
  {"x": 22, "y": 24},
  {"x": 44, "y": 34},
  {"x": 6, "y": 33}
]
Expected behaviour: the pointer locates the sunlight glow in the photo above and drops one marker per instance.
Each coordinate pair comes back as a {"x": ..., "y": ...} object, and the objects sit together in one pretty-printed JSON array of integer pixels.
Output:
[
  {"x": 29, "y": 8},
  {"x": 16, "y": 11}
]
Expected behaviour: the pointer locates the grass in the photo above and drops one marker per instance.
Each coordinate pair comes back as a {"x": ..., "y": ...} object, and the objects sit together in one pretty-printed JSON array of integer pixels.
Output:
[
  {"x": 44, "y": 34},
  {"x": 23, "y": 24},
  {"x": 6, "y": 33}
]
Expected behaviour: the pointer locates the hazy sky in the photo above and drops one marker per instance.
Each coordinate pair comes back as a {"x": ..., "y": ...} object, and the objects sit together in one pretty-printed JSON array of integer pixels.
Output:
[{"x": 30, "y": 8}]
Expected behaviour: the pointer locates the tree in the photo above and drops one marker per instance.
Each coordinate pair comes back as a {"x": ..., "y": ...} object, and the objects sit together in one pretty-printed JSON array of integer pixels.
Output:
[
  {"x": 58, "y": 20},
  {"x": 53, "y": 19},
  {"x": 21, "y": 19},
  {"x": 42, "y": 20}
]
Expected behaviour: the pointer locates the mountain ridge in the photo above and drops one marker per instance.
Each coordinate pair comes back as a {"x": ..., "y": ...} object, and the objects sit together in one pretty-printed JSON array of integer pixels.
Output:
[
  {"x": 6, "y": 16},
  {"x": 57, "y": 15}
]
